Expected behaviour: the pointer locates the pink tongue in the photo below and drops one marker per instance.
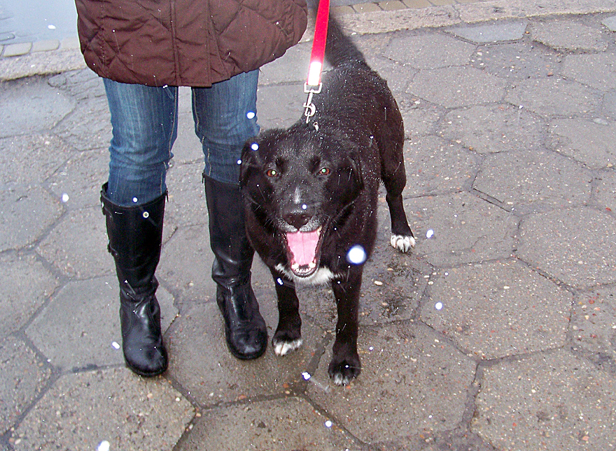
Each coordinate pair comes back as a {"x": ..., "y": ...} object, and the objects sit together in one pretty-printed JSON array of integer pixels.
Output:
[{"x": 303, "y": 246}]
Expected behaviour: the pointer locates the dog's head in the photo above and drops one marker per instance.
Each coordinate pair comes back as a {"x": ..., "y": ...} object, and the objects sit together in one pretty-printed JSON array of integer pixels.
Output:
[{"x": 299, "y": 183}]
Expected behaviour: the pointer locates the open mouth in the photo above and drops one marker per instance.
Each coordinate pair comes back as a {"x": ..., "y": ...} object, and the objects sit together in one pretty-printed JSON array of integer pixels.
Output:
[{"x": 303, "y": 249}]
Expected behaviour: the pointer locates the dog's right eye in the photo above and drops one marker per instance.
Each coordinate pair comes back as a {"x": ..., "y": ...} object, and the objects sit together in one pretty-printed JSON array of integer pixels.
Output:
[{"x": 272, "y": 173}]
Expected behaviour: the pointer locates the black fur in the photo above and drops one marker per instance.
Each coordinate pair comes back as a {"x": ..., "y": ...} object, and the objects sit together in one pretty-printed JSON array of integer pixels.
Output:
[{"x": 325, "y": 175}]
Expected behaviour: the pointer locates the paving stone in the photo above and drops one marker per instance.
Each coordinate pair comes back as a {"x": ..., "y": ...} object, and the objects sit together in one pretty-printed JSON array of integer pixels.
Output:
[
  {"x": 41, "y": 63},
  {"x": 392, "y": 5},
  {"x": 494, "y": 128},
  {"x": 366, "y": 7},
  {"x": 88, "y": 126},
  {"x": 429, "y": 51},
  {"x": 436, "y": 166},
  {"x": 80, "y": 325},
  {"x": 45, "y": 106},
  {"x": 25, "y": 213},
  {"x": 280, "y": 106},
  {"x": 590, "y": 142},
  {"x": 290, "y": 423},
  {"x": 435, "y": 377},
  {"x": 30, "y": 159},
  {"x": 519, "y": 60},
  {"x": 26, "y": 285},
  {"x": 78, "y": 245},
  {"x": 576, "y": 246},
  {"x": 373, "y": 46},
  {"x": 605, "y": 189},
  {"x": 186, "y": 264},
  {"x": 70, "y": 42},
  {"x": 609, "y": 105},
  {"x": 520, "y": 406},
  {"x": 494, "y": 310},
  {"x": 340, "y": 10},
  {"x": 532, "y": 180},
  {"x": 458, "y": 439},
  {"x": 568, "y": 35},
  {"x": 420, "y": 118},
  {"x": 23, "y": 378},
  {"x": 465, "y": 229},
  {"x": 595, "y": 70},
  {"x": 593, "y": 322},
  {"x": 498, "y": 32},
  {"x": 202, "y": 364},
  {"x": 553, "y": 97},
  {"x": 442, "y": 2},
  {"x": 19, "y": 49},
  {"x": 129, "y": 412},
  {"x": 455, "y": 87},
  {"x": 417, "y": 3},
  {"x": 392, "y": 286},
  {"x": 45, "y": 46},
  {"x": 186, "y": 201},
  {"x": 80, "y": 84},
  {"x": 610, "y": 23},
  {"x": 78, "y": 182},
  {"x": 397, "y": 76}
]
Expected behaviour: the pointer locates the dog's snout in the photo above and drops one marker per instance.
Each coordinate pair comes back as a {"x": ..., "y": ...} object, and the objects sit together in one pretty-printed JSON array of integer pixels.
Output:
[{"x": 297, "y": 215}]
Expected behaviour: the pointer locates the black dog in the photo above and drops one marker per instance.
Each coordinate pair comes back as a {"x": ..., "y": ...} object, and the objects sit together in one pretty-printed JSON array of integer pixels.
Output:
[{"x": 311, "y": 196}]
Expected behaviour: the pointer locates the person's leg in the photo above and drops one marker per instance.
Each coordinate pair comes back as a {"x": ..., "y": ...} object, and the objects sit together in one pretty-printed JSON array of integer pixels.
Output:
[
  {"x": 225, "y": 117},
  {"x": 144, "y": 123},
  {"x": 144, "y": 128}
]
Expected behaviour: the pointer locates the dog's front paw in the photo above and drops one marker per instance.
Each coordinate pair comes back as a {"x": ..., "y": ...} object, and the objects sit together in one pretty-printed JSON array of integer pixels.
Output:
[
  {"x": 284, "y": 346},
  {"x": 343, "y": 371},
  {"x": 402, "y": 243}
]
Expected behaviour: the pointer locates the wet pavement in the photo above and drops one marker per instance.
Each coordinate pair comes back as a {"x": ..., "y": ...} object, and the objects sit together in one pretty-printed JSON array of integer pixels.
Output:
[{"x": 497, "y": 333}]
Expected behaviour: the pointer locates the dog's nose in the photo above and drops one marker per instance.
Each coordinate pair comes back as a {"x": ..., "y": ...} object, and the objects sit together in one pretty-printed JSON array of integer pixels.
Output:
[{"x": 297, "y": 215}]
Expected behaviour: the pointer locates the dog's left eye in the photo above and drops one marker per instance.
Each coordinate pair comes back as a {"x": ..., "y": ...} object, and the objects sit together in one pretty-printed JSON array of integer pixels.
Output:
[
  {"x": 272, "y": 173},
  {"x": 325, "y": 171}
]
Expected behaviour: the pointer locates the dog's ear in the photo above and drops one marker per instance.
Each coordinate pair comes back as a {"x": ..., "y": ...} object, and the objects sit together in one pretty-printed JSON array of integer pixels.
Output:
[
  {"x": 256, "y": 152},
  {"x": 251, "y": 159}
]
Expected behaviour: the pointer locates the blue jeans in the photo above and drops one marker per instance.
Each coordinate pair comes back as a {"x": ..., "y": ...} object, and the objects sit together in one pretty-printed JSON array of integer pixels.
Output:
[{"x": 144, "y": 122}]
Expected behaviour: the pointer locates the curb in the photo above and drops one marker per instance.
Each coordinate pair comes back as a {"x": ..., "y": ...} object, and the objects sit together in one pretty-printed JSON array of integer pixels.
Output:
[{"x": 49, "y": 57}]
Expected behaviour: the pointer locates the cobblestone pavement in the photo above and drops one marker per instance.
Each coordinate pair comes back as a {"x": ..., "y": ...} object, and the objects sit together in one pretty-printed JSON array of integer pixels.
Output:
[{"x": 497, "y": 333}]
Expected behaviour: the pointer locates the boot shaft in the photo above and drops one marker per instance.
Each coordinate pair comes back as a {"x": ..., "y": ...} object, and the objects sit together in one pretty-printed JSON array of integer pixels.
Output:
[
  {"x": 232, "y": 250},
  {"x": 135, "y": 240}
]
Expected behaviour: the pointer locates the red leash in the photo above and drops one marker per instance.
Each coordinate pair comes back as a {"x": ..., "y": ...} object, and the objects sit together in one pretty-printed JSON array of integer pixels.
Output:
[{"x": 313, "y": 84}]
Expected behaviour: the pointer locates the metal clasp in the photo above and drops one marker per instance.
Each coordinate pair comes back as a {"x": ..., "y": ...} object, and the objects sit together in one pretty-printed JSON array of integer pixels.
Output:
[{"x": 309, "y": 108}]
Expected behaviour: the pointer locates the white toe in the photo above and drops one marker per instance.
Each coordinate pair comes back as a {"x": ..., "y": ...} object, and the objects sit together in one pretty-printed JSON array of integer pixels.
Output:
[
  {"x": 402, "y": 243},
  {"x": 284, "y": 347}
]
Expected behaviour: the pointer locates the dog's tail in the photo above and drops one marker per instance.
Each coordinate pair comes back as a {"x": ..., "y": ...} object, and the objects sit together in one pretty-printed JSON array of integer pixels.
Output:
[{"x": 340, "y": 49}]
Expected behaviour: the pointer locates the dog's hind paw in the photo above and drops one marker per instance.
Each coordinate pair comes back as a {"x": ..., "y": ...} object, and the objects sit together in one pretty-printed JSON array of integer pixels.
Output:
[
  {"x": 402, "y": 243},
  {"x": 282, "y": 347}
]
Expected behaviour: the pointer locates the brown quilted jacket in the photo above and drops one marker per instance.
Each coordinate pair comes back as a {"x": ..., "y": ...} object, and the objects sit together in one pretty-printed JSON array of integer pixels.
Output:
[{"x": 185, "y": 42}]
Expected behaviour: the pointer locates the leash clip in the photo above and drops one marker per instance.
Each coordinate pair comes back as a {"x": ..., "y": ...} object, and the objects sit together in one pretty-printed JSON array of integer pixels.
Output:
[{"x": 309, "y": 108}]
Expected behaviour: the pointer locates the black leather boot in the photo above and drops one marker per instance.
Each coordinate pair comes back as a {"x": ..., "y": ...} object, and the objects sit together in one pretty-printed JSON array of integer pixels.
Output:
[
  {"x": 245, "y": 328},
  {"x": 135, "y": 238}
]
